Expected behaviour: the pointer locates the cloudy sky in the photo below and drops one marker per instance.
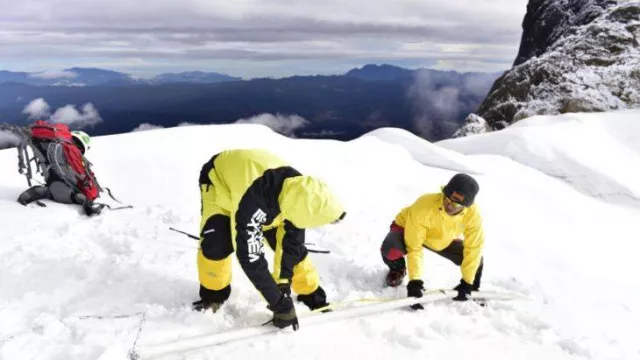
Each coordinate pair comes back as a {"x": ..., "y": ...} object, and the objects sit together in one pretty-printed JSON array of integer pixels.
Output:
[{"x": 255, "y": 38}]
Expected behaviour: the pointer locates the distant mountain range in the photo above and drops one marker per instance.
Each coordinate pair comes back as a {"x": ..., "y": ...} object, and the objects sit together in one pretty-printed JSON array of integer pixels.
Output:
[
  {"x": 92, "y": 77},
  {"x": 430, "y": 103}
]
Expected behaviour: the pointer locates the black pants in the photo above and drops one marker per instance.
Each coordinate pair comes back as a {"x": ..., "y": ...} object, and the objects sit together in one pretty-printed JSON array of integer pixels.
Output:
[{"x": 393, "y": 250}]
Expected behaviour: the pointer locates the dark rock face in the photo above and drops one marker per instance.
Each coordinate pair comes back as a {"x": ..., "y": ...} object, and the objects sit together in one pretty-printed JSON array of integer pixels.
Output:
[
  {"x": 575, "y": 56},
  {"x": 546, "y": 21}
]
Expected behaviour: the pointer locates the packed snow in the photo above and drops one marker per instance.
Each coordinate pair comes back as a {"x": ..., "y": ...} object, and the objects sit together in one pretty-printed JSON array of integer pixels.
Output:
[
  {"x": 598, "y": 155},
  {"x": 78, "y": 288}
]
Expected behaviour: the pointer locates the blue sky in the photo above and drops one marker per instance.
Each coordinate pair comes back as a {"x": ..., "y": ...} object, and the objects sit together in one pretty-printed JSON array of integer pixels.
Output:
[{"x": 250, "y": 38}]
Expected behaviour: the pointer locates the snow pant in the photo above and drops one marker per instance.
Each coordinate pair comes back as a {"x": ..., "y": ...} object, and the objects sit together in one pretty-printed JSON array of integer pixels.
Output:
[
  {"x": 215, "y": 256},
  {"x": 393, "y": 250},
  {"x": 57, "y": 191}
]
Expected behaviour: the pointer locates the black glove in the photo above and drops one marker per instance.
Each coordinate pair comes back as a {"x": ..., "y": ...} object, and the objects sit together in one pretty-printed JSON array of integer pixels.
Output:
[
  {"x": 285, "y": 289},
  {"x": 414, "y": 289},
  {"x": 90, "y": 208},
  {"x": 464, "y": 291},
  {"x": 284, "y": 313}
]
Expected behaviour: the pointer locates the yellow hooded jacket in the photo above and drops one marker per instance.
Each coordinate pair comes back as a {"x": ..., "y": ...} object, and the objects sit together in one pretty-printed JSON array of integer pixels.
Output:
[
  {"x": 259, "y": 191},
  {"x": 426, "y": 223}
]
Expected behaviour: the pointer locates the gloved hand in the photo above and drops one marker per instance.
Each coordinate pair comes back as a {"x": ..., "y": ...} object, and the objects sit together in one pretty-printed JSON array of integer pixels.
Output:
[
  {"x": 415, "y": 289},
  {"x": 464, "y": 291},
  {"x": 90, "y": 208},
  {"x": 284, "y": 313},
  {"x": 285, "y": 289}
]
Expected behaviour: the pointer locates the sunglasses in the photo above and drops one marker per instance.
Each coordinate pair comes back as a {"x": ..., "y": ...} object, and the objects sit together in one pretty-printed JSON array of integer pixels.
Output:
[{"x": 453, "y": 203}]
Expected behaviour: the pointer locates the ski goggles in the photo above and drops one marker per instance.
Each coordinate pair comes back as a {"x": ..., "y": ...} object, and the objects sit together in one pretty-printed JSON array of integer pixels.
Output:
[{"x": 452, "y": 203}]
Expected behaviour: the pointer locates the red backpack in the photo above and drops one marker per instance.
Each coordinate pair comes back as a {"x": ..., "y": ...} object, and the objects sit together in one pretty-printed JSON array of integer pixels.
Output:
[
  {"x": 42, "y": 136},
  {"x": 44, "y": 131}
]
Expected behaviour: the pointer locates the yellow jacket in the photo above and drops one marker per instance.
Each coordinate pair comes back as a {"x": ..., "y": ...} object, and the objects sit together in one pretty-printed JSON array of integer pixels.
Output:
[
  {"x": 426, "y": 223},
  {"x": 254, "y": 173},
  {"x": 259, "y": 191}
]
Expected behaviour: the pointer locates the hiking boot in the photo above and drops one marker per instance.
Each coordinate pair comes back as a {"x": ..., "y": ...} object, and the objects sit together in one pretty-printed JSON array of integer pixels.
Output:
[
  {"x": 91, "y": 209},
  {"x": 202, "y": 306},
  {"x": 315, "y": 300},
  {"x": 23, "y": 200},
  {"x": 395, "y": 277}
]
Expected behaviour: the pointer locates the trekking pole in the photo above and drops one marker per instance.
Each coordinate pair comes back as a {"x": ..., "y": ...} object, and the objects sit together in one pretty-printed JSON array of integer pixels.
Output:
[
  {"x": 117, "y": 208},
  {"x": 197, "y": 238},
  {"x": 185, "y": 233},
  {"x": 319, "y": 251}
]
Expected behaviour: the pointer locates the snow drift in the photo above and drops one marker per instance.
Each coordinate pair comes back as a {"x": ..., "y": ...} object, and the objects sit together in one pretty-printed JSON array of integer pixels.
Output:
[
  {"x": 78, "y": 288},
  {"x": 598, "y": 154}
]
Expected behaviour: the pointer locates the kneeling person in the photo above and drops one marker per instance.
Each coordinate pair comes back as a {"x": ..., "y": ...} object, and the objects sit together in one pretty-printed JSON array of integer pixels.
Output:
[{"x": 434, "y": 221}]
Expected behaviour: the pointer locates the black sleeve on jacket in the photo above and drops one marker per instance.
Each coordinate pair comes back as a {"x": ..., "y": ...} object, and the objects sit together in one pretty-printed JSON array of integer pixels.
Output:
[
  {"x": 259, "y": 206},
  {"x": 293, "y": 249},
  {"x": 250, "y": 249}
]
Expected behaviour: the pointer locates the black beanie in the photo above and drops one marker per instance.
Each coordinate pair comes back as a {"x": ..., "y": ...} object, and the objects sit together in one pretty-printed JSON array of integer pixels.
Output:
[{"x": 462, "y": 189}]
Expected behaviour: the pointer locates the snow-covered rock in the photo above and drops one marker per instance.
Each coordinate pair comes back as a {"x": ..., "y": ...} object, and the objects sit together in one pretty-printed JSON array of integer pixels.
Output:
[
  {"x": 473, "y": 124},
  {"x": 588, "y": 60}
]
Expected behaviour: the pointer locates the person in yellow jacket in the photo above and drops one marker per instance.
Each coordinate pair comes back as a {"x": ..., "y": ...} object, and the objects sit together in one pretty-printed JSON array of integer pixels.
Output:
[
  {"x": 435, "y": 221},
  {"x": 251, "y": 195}
]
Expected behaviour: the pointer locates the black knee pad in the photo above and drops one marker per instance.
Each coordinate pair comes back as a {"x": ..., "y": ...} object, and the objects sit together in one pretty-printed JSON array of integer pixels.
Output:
[
  {"x": 216, "y": 233},
  {"x": 393, "y": 240},
  {"x": 217, "y": 296}
]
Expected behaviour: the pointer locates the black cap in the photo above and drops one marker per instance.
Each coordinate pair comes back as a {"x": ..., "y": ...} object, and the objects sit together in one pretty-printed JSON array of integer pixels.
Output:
[{"x": 462, "y": 189}]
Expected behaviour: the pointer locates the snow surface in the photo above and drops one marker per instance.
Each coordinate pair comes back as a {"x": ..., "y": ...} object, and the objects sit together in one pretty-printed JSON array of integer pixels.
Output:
[
  {"x": 71, "y": 287},
  {"x": 597, "y": 154}
]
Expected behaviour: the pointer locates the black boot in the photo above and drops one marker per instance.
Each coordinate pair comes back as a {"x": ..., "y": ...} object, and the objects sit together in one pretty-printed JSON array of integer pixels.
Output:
[
  {"x": 202, "y": 305},
  {"x": 315, "y": 300},
  {"x": 211, "y": 299},
  {"x": 91, "y": 208},
  {"x": 395, "y": 277}
]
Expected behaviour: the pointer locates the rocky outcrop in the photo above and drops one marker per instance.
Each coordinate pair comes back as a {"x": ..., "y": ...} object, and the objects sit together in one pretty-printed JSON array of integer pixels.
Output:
[
  {"x": 547, "y": 21},
  {"x": 473, "y": 124},
  {"x": 575, "y": 56}
]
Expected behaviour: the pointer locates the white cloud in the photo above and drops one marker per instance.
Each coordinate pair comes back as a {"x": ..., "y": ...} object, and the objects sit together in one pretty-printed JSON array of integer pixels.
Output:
[
  {"x": 147, "y": 126},
  {"x": 87, "y": 116},
  {"x": 185, "y": 32},
  {"x": 435, "y": 107},
  {"x": 69, "y": 115},
  {"x": 54, "y": 75},
  {"x": 36, "y": 109},
  {"x": 187, "y": 124},
  {"x": 285, "y": 125},
  {"x": 8, "y": 139}
]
